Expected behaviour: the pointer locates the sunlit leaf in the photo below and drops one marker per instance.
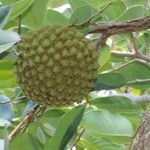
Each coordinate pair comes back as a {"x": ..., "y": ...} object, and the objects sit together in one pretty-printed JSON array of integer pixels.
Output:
[
  {"x": 69, "y": 123},
  {"x": 35, "y": 16},
  {"x": 54, "y": 17},
  {"x": 115, "y": 104},
  {"x": 98, "y": 3},
  {"x": 19, "y": 7},
  {"x": 5, "y": 12},
  {"x": 105, "y": 123},
  {"x": 135, "y": 70},
  {"x": 133, "y": 13},
  {"x": 8, "y": 39},
  {"x": 109, "y": 81},
  {"x": 104, "y": 56}
]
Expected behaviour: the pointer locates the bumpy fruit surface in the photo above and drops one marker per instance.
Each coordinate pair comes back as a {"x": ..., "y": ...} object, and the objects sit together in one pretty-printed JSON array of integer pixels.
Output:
[{"x": 56, "y": 65}]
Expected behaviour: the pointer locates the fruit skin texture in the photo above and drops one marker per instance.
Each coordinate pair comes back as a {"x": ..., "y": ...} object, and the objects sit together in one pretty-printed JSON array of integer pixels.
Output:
[{"x": 56, "y": 65}]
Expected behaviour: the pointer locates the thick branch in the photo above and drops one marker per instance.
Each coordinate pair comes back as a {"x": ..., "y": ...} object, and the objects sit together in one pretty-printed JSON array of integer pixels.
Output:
[
  {"x": 129, "y": 54},
  {"x": 122, "y": 27}
]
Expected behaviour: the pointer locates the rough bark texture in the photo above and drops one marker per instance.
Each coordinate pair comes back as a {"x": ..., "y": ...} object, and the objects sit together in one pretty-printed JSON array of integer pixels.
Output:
[
  {"x": 122, "y": 27},
  {"x": 142, "y": 140}
]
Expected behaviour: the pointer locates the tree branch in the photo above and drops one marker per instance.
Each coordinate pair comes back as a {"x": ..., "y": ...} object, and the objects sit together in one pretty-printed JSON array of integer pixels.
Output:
[
  {"x": 142, "y": 137},
  {"x": 122, "y": 27},
  {"x": 130, "y": 54},
  {"x": 13, "y": 100},
  {"x": 36, "y": 111}
]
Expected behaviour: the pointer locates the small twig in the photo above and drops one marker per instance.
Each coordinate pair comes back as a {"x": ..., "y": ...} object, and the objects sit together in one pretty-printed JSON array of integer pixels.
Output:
[
  {"x": 22, "y": 124},
  {"x": 34, "y": 112},
  {"x": 133, "y": 43},
  {"x": 139, "y": 81},
  {"x": 122, "y": 66},
  {"x": 19, "y": 24},
  {"x": 113, "y": 42},
  {"x": 88, "y": 21},
  {"x": 78, "y": 139},
  {"x": 12, "y": 100},
  {"x": 130, "y": 54}
]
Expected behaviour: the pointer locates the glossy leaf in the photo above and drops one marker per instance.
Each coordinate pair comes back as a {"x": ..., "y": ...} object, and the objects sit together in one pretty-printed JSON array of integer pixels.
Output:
[
  {"x": 135, "y": 70},
  {"x": 19, "y": 7},
  {"x": 115, "y": 10},
  {"x": 98, "y": 3},
  {"x": 6, "y": 2},
  {"x": 115, "y": 104},
  {"x": 52, "y": 116},
  {"x": 80, "y": 15},
  {"x": 69, "y": 123},
  {"x": 77, "y": 3},
  {"x": 105, "y": 123},
  {"x": 54, "y": 17},
  {"x": 140, "y": 85},
  {"x": 109, "y": 81},
  {"x": 5, "y": 12},
  {"x": 7, "y": 79},
  {"x": 35, "y": 16},
  {"x": 133, "y": 13},
  {"x": 26, "y": 140},
  {"x": 40, "y": 135},
  {"x": 8, "y": 39},
  {"x": 104, "y": 56},
  {"x": 56, "y": 3},
  {"x": 6, "y": 110},
  {"x": 135, "y": 2},
  {"x": 97, "y": 143}
]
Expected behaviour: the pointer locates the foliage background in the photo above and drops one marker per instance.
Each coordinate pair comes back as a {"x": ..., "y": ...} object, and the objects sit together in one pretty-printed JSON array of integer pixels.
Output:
[{"x": 110, "y": 120}]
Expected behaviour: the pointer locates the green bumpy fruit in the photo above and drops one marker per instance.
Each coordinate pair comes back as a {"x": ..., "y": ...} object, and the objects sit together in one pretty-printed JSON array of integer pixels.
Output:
[{"x": 56, "y": 65}]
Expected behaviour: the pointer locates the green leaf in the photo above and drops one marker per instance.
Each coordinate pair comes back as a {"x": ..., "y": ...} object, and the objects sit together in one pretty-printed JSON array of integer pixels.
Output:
[
  {"x": 104, "y": 56},
  {"x": 52, "y": 116},
  {"x": 5, "y": 12},
  {"x": 66, "y": 128},
  {"x": 54, "y": 17},
  {"x": 7, "y": 39},
  {"x": 7, "y": 2},
  {"x": 140, "y": 85},
  {"x": 115, "y": 104},
  {"x": 135, "y": 70},
  {"x": 98, "y": 3},
  {"x": 80, "y": 15},
  {"x": 40, "y": 135},
  {"x": 56, "y": 3},
  {"x": 135, "y": 2},
  {"x": 6, "y": 65},
  {"x": 26, "y": 140},
  {"x": 97, "y": 143},
  {"x": 67, "y": 13},
  {"x": 7, "y": 78},
  {"x": 8, "y": 83},
  {"x": 114, "y": 10},
  {"x": 109, "y": 81},
  {"x": 77, "y": 3},
  {"x": 35, "y": 16},
  {"x": 105, "y": 123},
  {"x": 19, "y": 7},
  {"x": 132, "y": 13}
]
